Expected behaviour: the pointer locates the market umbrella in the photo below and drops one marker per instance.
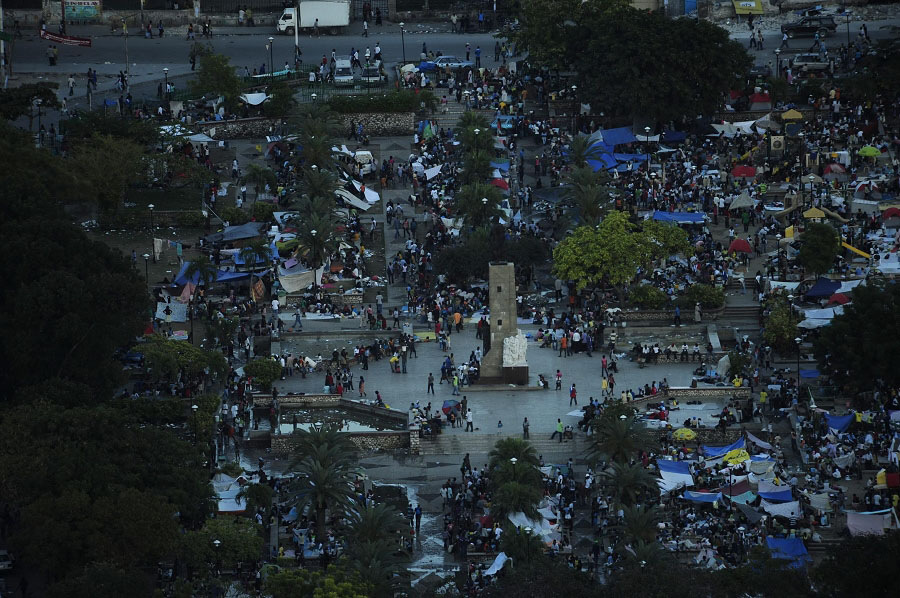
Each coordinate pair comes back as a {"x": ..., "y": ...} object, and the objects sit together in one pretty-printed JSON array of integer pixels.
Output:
[
  {"x": 743, "y": 171},
  {"x": 740, "y": 246},
  {"x": 792, "y": 115},
  {"x": 890, "y": 213},
  {"x": 500, "y": 183},
  {"x": 684, "y": 434},
  {"x": 869, "y": 151},
  {"x": 736, "y": 456},
  {"x": 450, "y": 405},
  {"x": 839, "y": 299}
]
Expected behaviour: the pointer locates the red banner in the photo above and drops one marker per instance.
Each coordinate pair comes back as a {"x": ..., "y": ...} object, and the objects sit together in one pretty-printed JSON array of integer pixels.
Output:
[{"x": 67, "y": 40}]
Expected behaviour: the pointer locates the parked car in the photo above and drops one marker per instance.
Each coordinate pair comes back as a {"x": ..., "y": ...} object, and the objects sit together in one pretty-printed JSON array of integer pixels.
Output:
[
  {"x": 452, "y": 62},
  {"x": 760, "y": 71},
  {"x": 373, "y": 74},
  {"x": 343, "y": 71},
  {"x": 6, "y": 561},
  {"x": 809, "y": 26},
  {"x": 809, "y": 63}
]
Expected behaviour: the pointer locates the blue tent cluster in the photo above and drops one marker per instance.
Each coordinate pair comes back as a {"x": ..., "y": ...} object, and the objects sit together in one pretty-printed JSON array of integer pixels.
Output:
[{"x": 603, "y": 156}]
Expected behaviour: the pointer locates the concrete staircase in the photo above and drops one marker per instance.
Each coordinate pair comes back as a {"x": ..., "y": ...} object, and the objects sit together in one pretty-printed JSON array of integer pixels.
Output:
[
  {"x": 740, "y": 312},
  {"x": 460, "y": 443},
  {"x": 454, "y": 113}
]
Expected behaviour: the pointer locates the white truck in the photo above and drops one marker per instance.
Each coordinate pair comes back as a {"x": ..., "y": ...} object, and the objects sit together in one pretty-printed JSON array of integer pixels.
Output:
[{"x": 329, "y": 15}]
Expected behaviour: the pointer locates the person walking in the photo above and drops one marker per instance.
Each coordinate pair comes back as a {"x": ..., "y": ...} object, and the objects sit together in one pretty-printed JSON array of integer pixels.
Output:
[
  {"x": 470, "y": 423},
  {"x": 362, "y": 386},
  {"x": 558, "y": 380},
  {"x": 456, "y": 384},
  {"x": 365, "y": 32},
  {"x": 525, "y": 426},
  {"x": 573, "y": 395},
  {"x": 559, "y": 430},
  {"x": 677, "y": 316},
  {"x": 430, "y": 383}
]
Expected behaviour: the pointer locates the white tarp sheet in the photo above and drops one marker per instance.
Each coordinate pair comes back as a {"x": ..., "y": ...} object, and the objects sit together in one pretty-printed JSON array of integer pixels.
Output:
[
  {"x": 254, "y": 99},
  {"x": 177, "y": 312},
  {"x": 785, "y": 509},
  {"x": 371, "y": 196},
  {"x": 432, "y": 172},
  {"x": 352, "y": 200},
  {"x": 873, "y": 523},
  {"x": 497, "y": 564}
]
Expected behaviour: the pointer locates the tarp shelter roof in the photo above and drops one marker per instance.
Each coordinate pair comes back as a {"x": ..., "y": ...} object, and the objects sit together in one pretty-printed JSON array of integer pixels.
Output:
[
  {"x": 673, "y": 136},
  {"x": 712, "y": 452},
  {"x": 839, "y": 422},
  {"x": 371, "y": 196},
  {"x": 743, "y": 201},
  {"x": 221, "y": 276},
  {"x": 778, "y": 496},
  {"x": 237, "y": 233},
  {"x": 708, "y": 497},
  {"x": 814, "y": 213},
  {"x": 791, "y": 115},
  {"x": 674, "y": 474},
  {"x": 678, "y": 217},
  {"x": 352, "y": 200},
  {"x": 823, "y": 288},
  {"x": 200, "y": 138},
  {"x": 614, "y": 137},
  {"x": 254, "y": 99},
  {"x": 749, "y": 512},
  {"x": 789, "y": 549}
]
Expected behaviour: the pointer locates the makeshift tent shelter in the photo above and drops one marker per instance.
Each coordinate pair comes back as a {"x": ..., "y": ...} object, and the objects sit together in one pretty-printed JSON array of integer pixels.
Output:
[
  {"x": 352, "y": 200},
  {"x": 740, "y": 246},
  {"x": 789, "y": 549},
  {"x": 792, "y": 115},
  {"x": 839, "y": 422},
  {"x": 237, "y": 233},
  {"x": 675, "y": 474},
  {"x": 870, "y": 523},
  {"x": 707, "y": 497},
  {"x": 777, "y": 495},
  {"x": 742, "y": 201},
  {"x": 497, "y": 564},
  {"x": 221, "y": 276},
  {"x": 838, "y": 299},
  {"x": 824, "y": 287},
  {"x": 713, "y": 452},
  {"x": 760, "y": 101},
  {"x": 254, "y": 99},
  {"x": 814, "y": 214},
  {"x": 679, "y": 217},
  {"x": 749, "y": 512},
  {"x": 743, "y": 172}
]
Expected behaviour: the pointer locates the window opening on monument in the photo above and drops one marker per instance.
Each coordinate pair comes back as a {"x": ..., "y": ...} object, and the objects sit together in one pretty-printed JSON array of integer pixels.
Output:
[{"x": 499, "y": 323}]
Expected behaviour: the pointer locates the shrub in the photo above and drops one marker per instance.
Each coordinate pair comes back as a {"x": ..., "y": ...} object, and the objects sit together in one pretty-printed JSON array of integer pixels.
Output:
[
  {"x": 234, "y": 216},
  {"x": 264, "y": 372},
  {"x": 647, "y": 296},
  {"x": 710, "y": 297},
  {"x": 262, "y": 211},
  {"x": 190, "y": 219}
]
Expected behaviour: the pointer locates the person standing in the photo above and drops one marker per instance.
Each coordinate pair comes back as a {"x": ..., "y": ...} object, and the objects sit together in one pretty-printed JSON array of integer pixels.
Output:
[
  {"x": 677, "y": 316},
  {"x": 456, "y": 384},
  {"x": 478, "y": 57},
  {"x": 365, "y": 32},
  {"x": 470, "y": 422},
  {"x": 430, "y": 384},
  {"x": 559, "y": 430},
  {"x": 698, "y": 314},
  {"x": 71, "y": 82},
  {"x": 362, "y": 386},
  {"x": 525, "y": 426},
  {"x": 573, "y": 395},
  {"x": 558, "y": 380}
]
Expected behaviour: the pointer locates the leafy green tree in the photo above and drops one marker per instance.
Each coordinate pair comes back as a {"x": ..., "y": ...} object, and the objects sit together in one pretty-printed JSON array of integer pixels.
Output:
[
  {"x": 380, "y": 565},
  {"x": 582, "y": 149},
  {"x": 820, "y": 244},
  {"x": 90, "y": 160},
  {"x": 525, "y": 547},
  {"x": 639, "y": 524},
  {"x": 216, "y": 76},
  {"x": 707, "y": 295},
  {"x": 647, "y": 296},
  {"x": 257, "y": 496},
  {"x": 281, "y": 100},
  {"x": 87, "y": 124},
  {"x": 325, "y": 487},
  {"x": 509, "y": 448},
  {"x": 316, "y": 150},
  {"x": 303, "y": 583},
  {"x": 476, "y": 166},
  {"x": 665, "y": 239},
  {"x": 465, "y": 261},
  {"x": 263, "y": 371},
  {"x": 840, "y": 573},
  {"x": 103, "y": 580},
  {"x": 611, "y": 252},
  {"x": 781, "y": 326},
  {"x": 259, "y": 176},
  {"x": 240, "y": 540},
  {"x": 19, "y": 101},
  {"x": 472, "y": 120},
  {"x": 165, "y": 358},
  {"x": 840, "y": 347}
]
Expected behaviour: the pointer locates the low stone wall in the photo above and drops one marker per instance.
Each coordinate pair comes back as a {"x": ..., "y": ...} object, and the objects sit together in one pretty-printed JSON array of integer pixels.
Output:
[
  {"x": 719, "y": 392},
  {"x": 240, "y": 128},
  {"x": 298, "y": 400},
  {"x": 378, "y": 124},
  {"x": 284, "y": 444},
  {"x": 665, "y": 315}
]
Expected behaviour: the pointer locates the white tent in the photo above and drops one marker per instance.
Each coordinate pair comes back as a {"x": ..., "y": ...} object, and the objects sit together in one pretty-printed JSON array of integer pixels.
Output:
[
  {"x": 371, "y": 196},
  {"x": 254, "y": 99},
  {"x": 352, "y": 200}
]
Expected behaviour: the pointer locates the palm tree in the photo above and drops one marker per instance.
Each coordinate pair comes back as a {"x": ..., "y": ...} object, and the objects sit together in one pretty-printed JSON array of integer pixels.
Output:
[
  {"x": 629, "y": 482},
  {"x": 316, "y": 240},
  {"x": 326, "y": 444},
  {"x": 476, "y": 166},
  {"x": 477, "y": 138},
  {"x": 380, "y": 564},
  {"x": 375, "y": 522},
  {"x": 505, "y": 472},
  {"x": 206, "y": 273},
  {"x": 472, "y": 120},
  {"x": 522, "y": 546},
  {"x": 318, "y": 183},
  {"x": 514, "y": 497},
  {"x": 316, "y": 150},
  {"x": 508, "y": 448},
  {"x": 640, "y": 524},
  {"x": 617, "y": 438},
  {"x": 324, "y": 488},
  {"x": 470, "y": 203},
  {"x": 591, "y": 201},
  {"x": 581, "y": 150},
  {"x": 259, "y": 177},
  {"x": 316, "y": 120},
  {"x": 316, "y": 207},
  {"x": 254, "y": 252}
]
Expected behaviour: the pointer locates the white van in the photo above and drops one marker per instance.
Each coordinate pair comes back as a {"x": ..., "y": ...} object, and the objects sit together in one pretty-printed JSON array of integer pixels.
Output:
[{"x": 343, "y": 71}]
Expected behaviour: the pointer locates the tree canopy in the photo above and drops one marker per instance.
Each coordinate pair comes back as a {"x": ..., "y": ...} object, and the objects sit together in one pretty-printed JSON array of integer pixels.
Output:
[
  {"x": 820, "y": 245},
  {"x": 633, "y": 62}
]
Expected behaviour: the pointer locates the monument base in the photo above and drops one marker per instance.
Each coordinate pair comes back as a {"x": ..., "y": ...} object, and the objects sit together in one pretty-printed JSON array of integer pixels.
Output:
[{"x": 517, "y": 375}]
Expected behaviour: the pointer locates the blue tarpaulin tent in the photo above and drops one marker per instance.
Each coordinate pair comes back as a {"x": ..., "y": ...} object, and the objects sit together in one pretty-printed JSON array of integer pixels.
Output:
[
  {"x": 673, "y": 136},
  {"x": 679, "y": 217},
  {"x": 221, "y": 276},
  {"x": 504, "y": 166},
  {"x": 839, "y": 422},
  {"x": 780, "y": 496},
  {"x": 713, "y": 452},
  {"x": 614, "y": 137},
  {"x": 823, "y": 288},
  {"x": 674, "y": 466},
  {"x": 809, "y": 373},
  {"x": 709, "y": 497},
  {"x": 789, "y": 549}
]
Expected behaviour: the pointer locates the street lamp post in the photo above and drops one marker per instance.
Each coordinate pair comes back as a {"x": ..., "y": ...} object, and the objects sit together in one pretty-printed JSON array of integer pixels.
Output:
[
  {"x": 484, "y": 203},
  {"x": 574, "y": 111},
  {"x": 150, "y": 207},
  {"x": 194, "y": 408},
  {"x": 367, "y": 74},
  {"x": 798, "y": 340},
  {"x": 217, "y": 544},
  {"x": 125, "y": 32},
  {"x": 647, "y": 141},
  {"x": 271, "y": 48},
  {"x": 403, "y": 42},
  {"x": 777, "y": 63},
  {"x": 146, "y": 257},
  {"x": 166, "y": 73}
]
